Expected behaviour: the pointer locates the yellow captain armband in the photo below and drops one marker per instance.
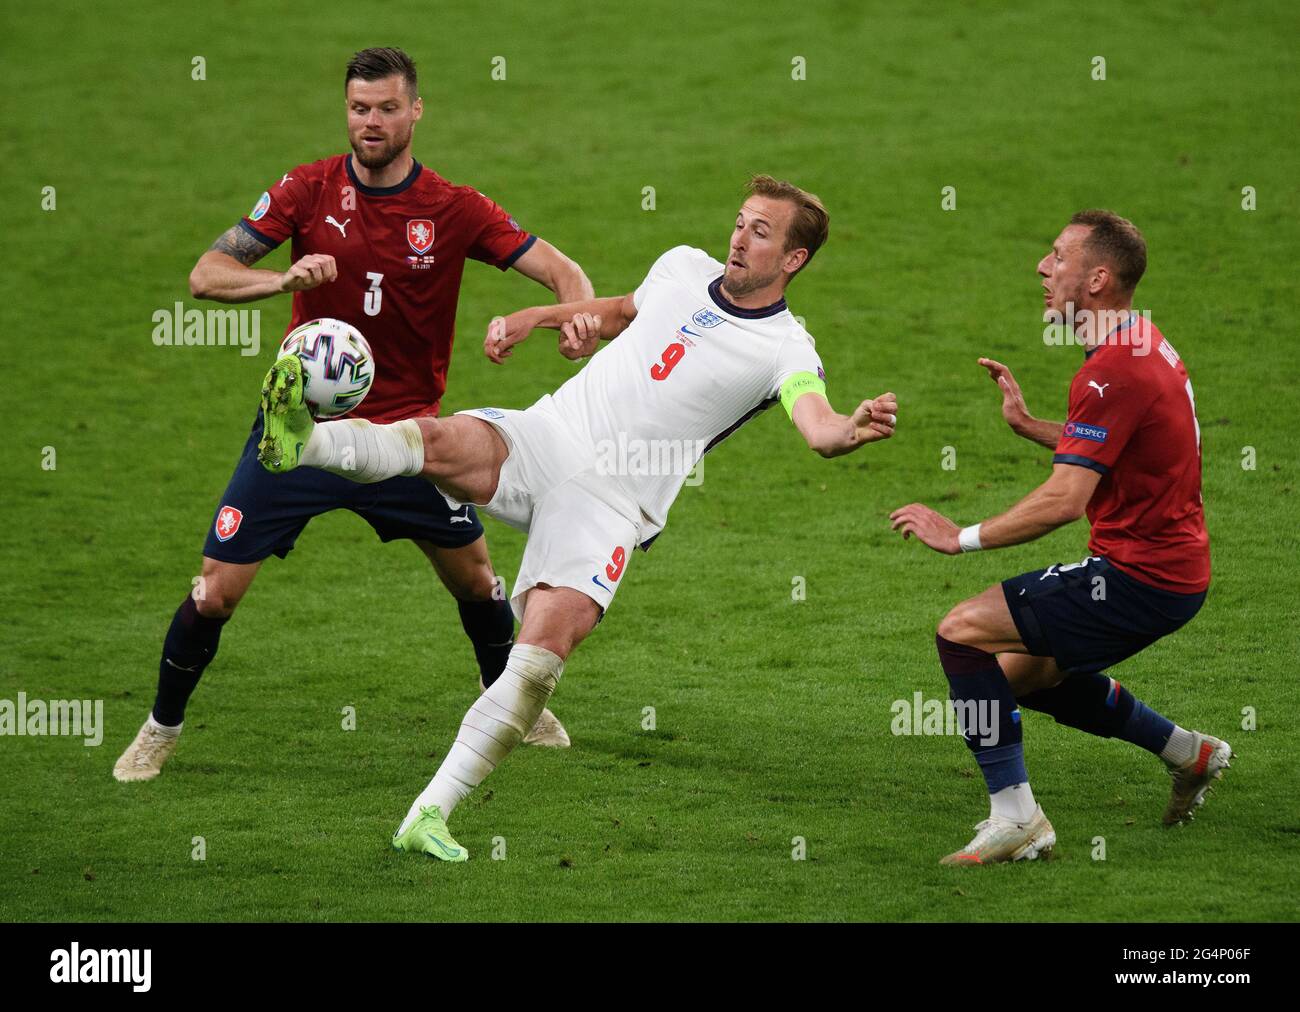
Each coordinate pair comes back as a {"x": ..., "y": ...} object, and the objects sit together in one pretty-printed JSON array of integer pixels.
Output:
[{"x": 798, "y": 384}]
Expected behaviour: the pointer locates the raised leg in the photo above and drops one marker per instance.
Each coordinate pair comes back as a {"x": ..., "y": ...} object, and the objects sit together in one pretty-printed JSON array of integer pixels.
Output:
[{"x": 461, "y": 455}]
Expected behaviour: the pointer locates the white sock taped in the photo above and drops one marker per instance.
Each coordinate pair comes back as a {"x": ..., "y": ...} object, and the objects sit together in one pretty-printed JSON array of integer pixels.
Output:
[
  {"x": 365, "y": 452},
  {"x": 494, "y": 725}
]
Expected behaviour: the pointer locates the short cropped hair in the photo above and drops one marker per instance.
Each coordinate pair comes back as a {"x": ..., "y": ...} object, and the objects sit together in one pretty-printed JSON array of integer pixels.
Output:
[
  {"x": 811, "y": 223},
  {"x": 1116, "y": 242},
  {"x": 376, "y": 64}
]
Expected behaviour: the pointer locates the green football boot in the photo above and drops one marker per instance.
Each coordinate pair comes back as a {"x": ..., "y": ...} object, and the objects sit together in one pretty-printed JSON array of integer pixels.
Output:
[
  {"x": 286, "y": 421},
  {"x": 429, "y": 835}
]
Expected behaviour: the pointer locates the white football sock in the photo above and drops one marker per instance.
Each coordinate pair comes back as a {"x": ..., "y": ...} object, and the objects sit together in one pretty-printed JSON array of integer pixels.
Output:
[
  {"x": 171, "y": 732},
  {"x": 494, "y": 725},
  {"x": 1015, "y": 803},
  {"x": 1180, "y": 747},
  {"x": 363, "y": 451}
]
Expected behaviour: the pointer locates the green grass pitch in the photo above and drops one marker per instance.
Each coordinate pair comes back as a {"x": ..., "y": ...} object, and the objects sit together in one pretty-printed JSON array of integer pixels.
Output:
[{"x": 772, "y": 715}]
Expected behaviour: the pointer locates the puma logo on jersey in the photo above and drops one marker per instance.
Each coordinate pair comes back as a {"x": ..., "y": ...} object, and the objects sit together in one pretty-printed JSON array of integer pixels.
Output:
[
  {"x": 343, "y": 228},
  {"x": 466, "y": 519},
  {"x": 1101, "y": 390}
]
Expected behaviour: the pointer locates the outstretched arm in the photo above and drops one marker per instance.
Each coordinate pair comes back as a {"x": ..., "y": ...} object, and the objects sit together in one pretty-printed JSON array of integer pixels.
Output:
[
  {"x": 582, "y": 325},
  {"x": 225, "y": 273},
  {"x": 827, "y": 431},
  {"x": 1022, "y": 423},
  {"x": 1060, "y": 500},
  {"x": 549, "y": 267}
]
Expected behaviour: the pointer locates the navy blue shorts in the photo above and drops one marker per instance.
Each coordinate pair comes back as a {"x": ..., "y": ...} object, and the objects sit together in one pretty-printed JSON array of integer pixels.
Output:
[
  {"x": 262, "y": 514},
  {"x": 1088, "y": 615}
]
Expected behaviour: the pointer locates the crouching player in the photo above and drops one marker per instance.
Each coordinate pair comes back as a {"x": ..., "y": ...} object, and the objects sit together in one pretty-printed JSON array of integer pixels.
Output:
[{"x": 1129, "y": 456}]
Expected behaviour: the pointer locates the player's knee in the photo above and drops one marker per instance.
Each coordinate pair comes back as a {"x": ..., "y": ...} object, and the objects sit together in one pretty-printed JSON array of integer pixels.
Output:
[
  {"x": 558, "y": 619},
  {"x": 215, "y": 597},
  {"x": 959, "y": 625},
  {"x": 559, "y": 645},
  {"x": 481, "y": 585},
  {"x": 559, "y": 640},
  {"x": 215, "y": 604},
  {"x": 434, "y": 431}
]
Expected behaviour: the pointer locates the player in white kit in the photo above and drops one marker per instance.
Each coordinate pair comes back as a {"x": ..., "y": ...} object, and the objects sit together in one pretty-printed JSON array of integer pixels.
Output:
[{"x": 591, "y": 471}]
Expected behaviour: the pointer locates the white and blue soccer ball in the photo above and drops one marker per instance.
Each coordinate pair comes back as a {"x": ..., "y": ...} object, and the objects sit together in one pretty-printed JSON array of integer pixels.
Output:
[{"x": 337, "y": 365}]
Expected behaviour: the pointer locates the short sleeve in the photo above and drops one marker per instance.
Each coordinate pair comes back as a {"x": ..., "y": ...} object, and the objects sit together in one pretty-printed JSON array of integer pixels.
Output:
[
  {"x": 275, "y": 216},
  {"x": 797, "y": 355},
  {"x": 659, "y": 271},
  {"x": 497, "y": 238},
  {"x": 1104, "y": 414}
]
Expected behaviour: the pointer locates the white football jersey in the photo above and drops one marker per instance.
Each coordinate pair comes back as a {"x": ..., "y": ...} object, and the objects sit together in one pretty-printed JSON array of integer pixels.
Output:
[{"x": 689, "y": 370}]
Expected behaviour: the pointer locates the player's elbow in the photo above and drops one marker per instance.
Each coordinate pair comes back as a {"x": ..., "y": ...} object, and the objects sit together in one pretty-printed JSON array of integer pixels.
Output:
[
  {"x": 568, "y": 280},
  {"x": 821, "y": 438},
  {"x": 823, "y": 443},
  {"x": 1065, "y": 510},
  {"x": 572, "y": 272},
  {"x": 199, "y": 284},
  {"x": 626, "y": 313}
]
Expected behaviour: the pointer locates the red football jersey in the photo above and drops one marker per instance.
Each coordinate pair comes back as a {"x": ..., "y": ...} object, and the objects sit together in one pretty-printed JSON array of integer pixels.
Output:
[
  {"x": 1133, "y": 419},
  {"x": 400, "y": 251}
]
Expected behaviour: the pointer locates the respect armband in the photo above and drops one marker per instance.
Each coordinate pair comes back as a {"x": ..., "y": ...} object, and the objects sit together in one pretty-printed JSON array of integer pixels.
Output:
[{"x": 798, "y": 384}]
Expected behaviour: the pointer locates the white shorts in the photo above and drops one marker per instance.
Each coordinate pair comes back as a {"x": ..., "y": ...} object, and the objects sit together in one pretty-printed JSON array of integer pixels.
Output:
[{"x": 582, "y": 526}]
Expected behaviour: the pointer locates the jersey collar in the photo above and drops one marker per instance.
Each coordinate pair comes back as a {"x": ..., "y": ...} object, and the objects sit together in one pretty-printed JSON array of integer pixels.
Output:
[
  {"x": 385, "y": 191},
  {"x": 729, "y": 307},
  {"x": 1131, "y": 321}
]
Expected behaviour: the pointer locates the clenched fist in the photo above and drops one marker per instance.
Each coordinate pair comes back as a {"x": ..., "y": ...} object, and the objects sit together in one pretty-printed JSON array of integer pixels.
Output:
[
  {"x": 580, "y": 337},
  {"x": 504, "y": 332},
  {"x": 311, "y": 271},
  {"x": 876, "y": 418}
]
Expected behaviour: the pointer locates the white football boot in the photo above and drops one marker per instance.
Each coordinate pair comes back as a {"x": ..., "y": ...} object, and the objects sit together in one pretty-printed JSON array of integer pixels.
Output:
[
  {"x": 1000, "y": 839},
  {"x": 1194, "y": 778},
  {"x": 547, "y": 731},
  {"x": 144, "y": 757}
]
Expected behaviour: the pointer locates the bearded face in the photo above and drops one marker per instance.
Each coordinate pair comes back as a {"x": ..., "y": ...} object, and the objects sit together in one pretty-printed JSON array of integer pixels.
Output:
[{"x": 381, "y": 120}]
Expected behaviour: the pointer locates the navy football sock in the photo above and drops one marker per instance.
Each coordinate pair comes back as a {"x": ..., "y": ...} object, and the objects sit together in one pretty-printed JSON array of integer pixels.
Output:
[
  {"x": 190, "y": 645},
  {"x": 986, "y": 712},
  {"x": 490, "y": 626},
  {"x": 1098, "y": 704}
]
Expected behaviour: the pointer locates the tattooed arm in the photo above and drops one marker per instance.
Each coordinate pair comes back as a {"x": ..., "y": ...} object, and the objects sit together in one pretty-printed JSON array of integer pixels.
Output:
[{"x": 225, "y": 272}]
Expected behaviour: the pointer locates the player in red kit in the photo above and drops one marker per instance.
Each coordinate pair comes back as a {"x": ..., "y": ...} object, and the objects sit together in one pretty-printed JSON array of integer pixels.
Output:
[
  {"x": 378, "y": 241},
  {"x": 1128, "y": 456}
]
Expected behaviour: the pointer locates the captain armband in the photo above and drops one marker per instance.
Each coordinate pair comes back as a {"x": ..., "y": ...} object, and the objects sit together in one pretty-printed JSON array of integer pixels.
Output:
[{"x": 798, "y": 384}]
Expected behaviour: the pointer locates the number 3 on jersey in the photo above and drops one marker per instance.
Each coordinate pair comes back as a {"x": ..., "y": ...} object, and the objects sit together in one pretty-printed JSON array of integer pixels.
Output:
[
  {"x": 374, "y": 297},
  {"x": 1195, "y": 421}
]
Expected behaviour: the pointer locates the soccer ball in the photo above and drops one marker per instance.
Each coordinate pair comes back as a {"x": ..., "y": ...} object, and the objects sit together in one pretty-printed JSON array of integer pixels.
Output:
[{"x": 337, "y": 366}]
